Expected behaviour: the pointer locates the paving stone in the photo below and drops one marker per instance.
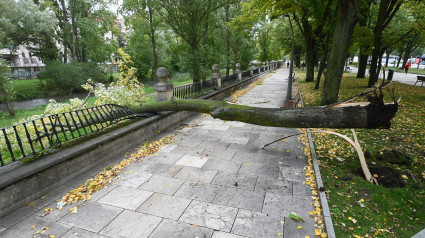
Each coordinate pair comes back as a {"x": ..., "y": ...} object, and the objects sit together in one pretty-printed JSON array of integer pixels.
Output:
[
  {"x": 126, "y": 197},
  {"x": 102, "y": 192},
  {"x": 17, "y": 216},
  {"x": 240, "y": 198},
  {"x": 220, "y": 234},
  {"x": 166, "y": 170},
  {"x": 293, "y": 174},
  {"x": 250, "y": 158},
  {"x": 214, "y": 145},
  {"x": 283, "y": 161},
  {"x": 51, "y": 197},
  {"x": 54, "y": 214},
  {"x": 164, "y": 206},
  {"x": 218, "y": 154},
  {"x": 291, "y": 228},
  {"x": 198, "y": 191},
  {"x": 93, "y": 216},
  {"x": 301, "y": 190},
  {"x": 244, "y": 148},
  {"x": 235, "y": 123},
  {"x": 162, "y": 184},
  {"x": 256, "y": 224},
  {"x": 188, "y": 150},
  {"x": 196, "y": 174},
  {"x": 192, "y": 161},
  {"x": 240, "y": 129},
  {"x": 260, "y": 170},
  {"x": 167, "y": 148},
  {"x": 211, "y": 136},
  {"x": 210, "y": 215},
  {"x": 215, "y": 122},
  {"x": 24, "y": 228},
  {"x": 222, "y": 165},
  {"x": 80, "y": 233},
  {"x": 234, "y": 140},
  {"x": 131, "y": 224},
  {"x": 283, "y": 206},
  {"x": 242, "y": 181},
  {"x": 186, "y": 141},
  {"x": 132, "y": 178},
  {"x": 242, "y": 134},
  {"x": 274, "y": 186},
  {"x": 170, "y": 228},
  {"x": 221, "y": 128},
  {"x": 166, "y": 158},
  {"x": 79, "y": 180}
]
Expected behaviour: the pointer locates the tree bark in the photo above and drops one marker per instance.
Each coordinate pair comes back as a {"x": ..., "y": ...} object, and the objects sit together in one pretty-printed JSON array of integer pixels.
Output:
[
  {"x": 357, "y": 115},
  {"x": 310, "y": 49},
  {"x": 348, "y": 15},
  {"x": 361, "y": 73}
]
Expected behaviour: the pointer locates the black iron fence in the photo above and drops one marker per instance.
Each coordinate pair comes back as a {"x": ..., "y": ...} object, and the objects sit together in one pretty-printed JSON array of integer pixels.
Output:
[
  {"x": 192, "y": 90},
  {"x": 32, "y": 137}
]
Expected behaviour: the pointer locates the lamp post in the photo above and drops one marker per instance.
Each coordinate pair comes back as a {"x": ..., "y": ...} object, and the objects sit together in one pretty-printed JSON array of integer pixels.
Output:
[{"x": 288, "y": 103}]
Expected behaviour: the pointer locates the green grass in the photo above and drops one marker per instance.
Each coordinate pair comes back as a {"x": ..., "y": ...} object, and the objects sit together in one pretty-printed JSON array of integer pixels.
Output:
[
  {"x": 28, "y": 89},
  {"x": 398, "y": 212}
]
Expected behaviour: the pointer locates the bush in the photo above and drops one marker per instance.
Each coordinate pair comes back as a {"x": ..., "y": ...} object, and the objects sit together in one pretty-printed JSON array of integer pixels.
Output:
[{"x": 65, "y": 79}]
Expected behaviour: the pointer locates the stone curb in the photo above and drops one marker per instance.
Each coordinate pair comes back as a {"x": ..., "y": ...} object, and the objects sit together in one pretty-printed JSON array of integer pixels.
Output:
[{"x": 319, "y": 184}]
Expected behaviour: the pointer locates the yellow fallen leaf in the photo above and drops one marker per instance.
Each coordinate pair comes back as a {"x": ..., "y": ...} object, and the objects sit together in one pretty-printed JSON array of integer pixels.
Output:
[
  {"x": 317, "y": 232},
  {"x": 31, "y": 203},
  {"x": 248, "y": 164},
  {"x": 375, "y": 175},
  {"x": 43, "y": 197},
  {"x": 33, "y": 226},
  {"x": 46, "y": 228},
  {"x": 279, "y": 234},
  {"x": 324, "y": 235},
  {"x": 405, "y": 177},
  {"x": 306, "y": 236},
  {"x": 300, "y": 227},
  {"x": 52, "y": 236},
  {"x": 37, "y": 232}
]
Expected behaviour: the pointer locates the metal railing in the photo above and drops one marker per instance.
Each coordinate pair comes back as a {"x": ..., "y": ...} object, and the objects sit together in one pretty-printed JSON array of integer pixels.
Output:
[
  {"x": 193, "y": 90},
  {"x": 229, "y": 78},
  {"x": 32, "y": 137}
]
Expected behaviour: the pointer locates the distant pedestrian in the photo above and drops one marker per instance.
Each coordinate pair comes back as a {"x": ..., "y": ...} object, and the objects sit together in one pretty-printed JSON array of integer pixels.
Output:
[
  {"x": 287, "y": 64},
  {"x": 303, "y": 65},
  {"x": 407, "y": 67}
]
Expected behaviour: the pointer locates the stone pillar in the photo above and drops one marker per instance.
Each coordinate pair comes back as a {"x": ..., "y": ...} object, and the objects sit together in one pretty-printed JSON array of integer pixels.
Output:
[
  {"x": 238, "y": 71},
  {"x": 215, "y": 76},
  {"x": 267, "y": 65},
  {"x": 263, "y": 66},
  {"x": 251, "y": 69},
  {"x": 163, "y": 89}
]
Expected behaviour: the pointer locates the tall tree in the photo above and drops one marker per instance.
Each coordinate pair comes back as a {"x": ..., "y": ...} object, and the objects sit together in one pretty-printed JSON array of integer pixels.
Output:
[{"x": 348, "y": 16}]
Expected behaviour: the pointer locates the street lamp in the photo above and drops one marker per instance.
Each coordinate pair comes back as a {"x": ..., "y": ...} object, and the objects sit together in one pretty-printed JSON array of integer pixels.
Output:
[{"x": 288, "y": 103}]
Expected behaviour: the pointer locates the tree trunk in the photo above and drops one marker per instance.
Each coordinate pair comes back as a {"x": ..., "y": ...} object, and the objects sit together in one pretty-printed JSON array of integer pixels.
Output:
[
  {"x": 153, "y": 41},
  {"x": 357, "y": 115},
  {"x": 399, "y": 59},
  {"x": 309, "y": 43},
  {"x": 348, "y": 15},
  {"x": 65, "y": 27},
  {"x": 361, "y": 73},
  {"x": 321, "y": 67}
]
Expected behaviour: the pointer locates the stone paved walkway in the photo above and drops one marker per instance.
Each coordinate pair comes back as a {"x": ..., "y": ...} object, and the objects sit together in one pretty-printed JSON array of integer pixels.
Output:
[{"x": 214, "y": 181}]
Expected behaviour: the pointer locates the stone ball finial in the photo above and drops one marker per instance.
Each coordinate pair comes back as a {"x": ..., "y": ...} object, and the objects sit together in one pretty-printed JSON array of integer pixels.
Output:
[
  {"x": 250, "y": 64},
  {"x": 216, "y": 67},
  {"x": 163, "y": 74},
  {"x": 238, "y": 66}
]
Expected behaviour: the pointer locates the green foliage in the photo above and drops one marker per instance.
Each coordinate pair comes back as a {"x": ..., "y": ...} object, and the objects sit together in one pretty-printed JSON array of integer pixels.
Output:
[
  {"x": 7, "y": 93},
  {"x": 65, "y": 79}
]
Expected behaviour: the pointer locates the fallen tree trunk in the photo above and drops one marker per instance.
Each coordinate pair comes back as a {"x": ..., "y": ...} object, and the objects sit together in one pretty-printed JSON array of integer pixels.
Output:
[{"x": 353, "y": 115}]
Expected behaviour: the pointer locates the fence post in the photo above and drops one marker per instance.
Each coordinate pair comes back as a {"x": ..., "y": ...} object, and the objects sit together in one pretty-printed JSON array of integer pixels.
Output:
[
  {"x": 251, "y": 69},
  {"x": 215, "y": 76},
  {"x": 163, "y": 89},
  {"x": 238, "y": 71}
]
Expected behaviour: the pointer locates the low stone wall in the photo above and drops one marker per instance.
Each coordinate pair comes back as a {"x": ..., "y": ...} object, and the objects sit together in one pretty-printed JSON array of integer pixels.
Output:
[{"x": 21, "y": 183}]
